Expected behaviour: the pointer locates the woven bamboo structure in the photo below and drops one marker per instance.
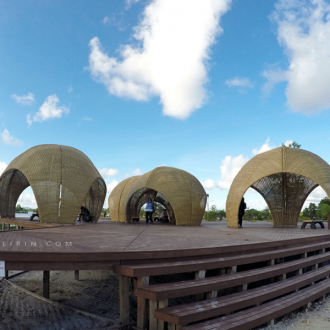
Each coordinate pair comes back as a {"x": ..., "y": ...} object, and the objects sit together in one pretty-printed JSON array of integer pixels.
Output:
[
  {"x": 178, "y": 191},
  {"x": 62, "y": 179},
  {"x": 284, "y": 177},
  {"x": 117, "y": 199}
]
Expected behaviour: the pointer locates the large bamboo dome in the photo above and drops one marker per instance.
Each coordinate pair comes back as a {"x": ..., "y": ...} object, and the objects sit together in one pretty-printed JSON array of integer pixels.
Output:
[
  {"x": 284, "y": 177},
  {"x": 178, "y": 191},
  {"x": 62, "y": 179},
  {"x": 117, "y": 199}
]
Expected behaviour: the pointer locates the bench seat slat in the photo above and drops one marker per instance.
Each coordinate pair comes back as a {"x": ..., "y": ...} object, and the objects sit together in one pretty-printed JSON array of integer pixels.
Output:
[
  {"x": 258, "y": 315},
  {"x": 186, "y": 288},
  {"x": 211, "y": 263},
  {"x": 197, "y": 311}
]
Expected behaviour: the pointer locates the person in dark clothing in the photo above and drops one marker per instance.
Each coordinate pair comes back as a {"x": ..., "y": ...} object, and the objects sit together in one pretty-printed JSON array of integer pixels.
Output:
[
  {"x": 34, "y": 215},
  {"x": 241, "y": 212},
  {"x": 84, "y": 214}
]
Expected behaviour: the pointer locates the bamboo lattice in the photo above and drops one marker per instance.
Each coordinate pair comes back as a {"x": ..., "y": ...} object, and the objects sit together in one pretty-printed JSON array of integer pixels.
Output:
[
  {"x": 62, "y": 179},
  {"x": 284, "y": 177},
  {"x": 179, "y": 191}
]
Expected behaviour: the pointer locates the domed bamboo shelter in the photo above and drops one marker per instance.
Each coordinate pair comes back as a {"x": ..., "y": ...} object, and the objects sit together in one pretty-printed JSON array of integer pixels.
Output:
[
  {"x": 178, "y": 191},
  {"x": 117, "y": 199},
  {"x": 62, "y": 179},
  {"x": 284, "y": 177}
]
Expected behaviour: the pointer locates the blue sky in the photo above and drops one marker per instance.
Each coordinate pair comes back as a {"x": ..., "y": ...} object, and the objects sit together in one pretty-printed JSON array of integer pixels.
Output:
[{"x": 198, "y": 85}]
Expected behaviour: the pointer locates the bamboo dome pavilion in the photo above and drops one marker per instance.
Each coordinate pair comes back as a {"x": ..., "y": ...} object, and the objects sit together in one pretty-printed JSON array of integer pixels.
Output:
[
  {"x": 178, "y": 191},
  {"x": 284, "y": 177},
  {"x": 62, "y": 179}
]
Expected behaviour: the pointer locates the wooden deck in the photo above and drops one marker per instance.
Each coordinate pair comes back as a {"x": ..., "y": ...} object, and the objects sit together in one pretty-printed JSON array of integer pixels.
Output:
[{"x": 99, "y": 246}]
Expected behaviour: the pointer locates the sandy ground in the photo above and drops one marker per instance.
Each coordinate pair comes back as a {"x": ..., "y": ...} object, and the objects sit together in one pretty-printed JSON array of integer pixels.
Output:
[{"x": 97, "y": 292}]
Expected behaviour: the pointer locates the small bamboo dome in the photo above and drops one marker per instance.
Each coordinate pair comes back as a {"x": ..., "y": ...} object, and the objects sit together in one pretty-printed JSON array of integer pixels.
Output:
[
  {"x": 179, "y": 191},
  {"x": 117, "y": 199},
  {"x": 62, "y": 179},
  {"x": 284, "y": 177}
]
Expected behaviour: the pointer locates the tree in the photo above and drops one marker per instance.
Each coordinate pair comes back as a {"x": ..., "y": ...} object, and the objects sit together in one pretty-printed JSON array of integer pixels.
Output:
[
  {"x": 214, "y": 214},
  {"x": 18, "y": 208},
  {"x": 294, "y": 144},
  {"x": 324, "y": 210},
  {"x": 312, "y": 210}
]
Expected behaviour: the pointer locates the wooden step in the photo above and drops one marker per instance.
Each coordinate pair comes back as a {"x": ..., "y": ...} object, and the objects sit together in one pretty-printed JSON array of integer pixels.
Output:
[
  {"x": 186, "y": 288},
  {"x": 197, "y": 311},
  {"x": 264, "y": 313},
  {"x": 176, "y": 267}
]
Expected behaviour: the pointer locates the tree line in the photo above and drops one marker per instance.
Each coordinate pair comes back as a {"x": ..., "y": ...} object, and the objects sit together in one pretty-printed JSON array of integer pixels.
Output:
[{"x": 319, "y": 212}]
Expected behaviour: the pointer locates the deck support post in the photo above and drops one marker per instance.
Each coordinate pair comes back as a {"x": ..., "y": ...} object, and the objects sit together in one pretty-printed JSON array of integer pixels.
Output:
[
  {"x": 199, "y": 275},
  {"x": 212, "y": 294},
  {"x": 76, "y": 275},
  {"x": 142, "y": 311},
  {"x": 45, "y": 280},
  {"x": 153, "y": 305},
  {"x": 6, "y": 274},
  {"x": 271, "y": 323},
  {"x": 162, "y": 304},
  {"x": 123, "y": 298}
]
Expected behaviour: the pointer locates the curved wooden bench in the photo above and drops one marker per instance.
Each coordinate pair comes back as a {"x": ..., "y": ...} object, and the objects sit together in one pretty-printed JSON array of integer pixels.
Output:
[
  {"x": 186, "y": 288},
  {"x": 261, "y": 314},
  {"x": 197, "y": 311}
]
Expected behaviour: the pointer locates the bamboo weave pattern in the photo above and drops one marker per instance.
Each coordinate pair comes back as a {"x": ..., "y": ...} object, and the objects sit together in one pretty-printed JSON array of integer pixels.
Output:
[
  {"x": 62, "y": 179},
  {"x": 284, "y": 177}
]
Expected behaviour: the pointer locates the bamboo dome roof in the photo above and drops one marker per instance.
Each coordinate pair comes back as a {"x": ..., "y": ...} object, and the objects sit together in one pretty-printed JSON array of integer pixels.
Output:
[
  {"x": 182, "y": 191},
  {"x": 284, "y": 177},
  {"x": 117, "y": 199},
  {"x": 62, "y": 179}
]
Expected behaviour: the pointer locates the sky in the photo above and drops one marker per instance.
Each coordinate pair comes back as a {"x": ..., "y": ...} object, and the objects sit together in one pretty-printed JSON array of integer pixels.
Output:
[{"x": 198, "y": 85}]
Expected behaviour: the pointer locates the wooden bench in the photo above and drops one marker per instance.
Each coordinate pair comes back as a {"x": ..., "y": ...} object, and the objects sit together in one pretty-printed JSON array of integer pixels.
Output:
[
  {"x": 176, "y": 267},
  {"x": 264, "y": 313},
  {"x": 312, "y": 223},
  {"x": 143, "y": 271},
  {"x": 159, "y": 294},
  {"x": 197, "y": 311},
  {"x": 192, "y": 287}
]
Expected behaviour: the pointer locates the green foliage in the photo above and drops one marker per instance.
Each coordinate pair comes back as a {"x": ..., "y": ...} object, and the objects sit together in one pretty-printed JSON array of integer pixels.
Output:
[
  {"x": 253, "y": 214},
  {"x": 214, "y": 214},
  {"x": 316, "y": 212},
  {"x": 142, "y": 213},
  {"x": 294, "y": 144},
  {"x": 18, "y": 208}
]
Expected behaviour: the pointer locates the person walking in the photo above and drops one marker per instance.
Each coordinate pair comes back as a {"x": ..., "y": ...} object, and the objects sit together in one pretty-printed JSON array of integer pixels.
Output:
[
  {"x": 241, "y": 212},
  {"x": 149, "y": 209}
]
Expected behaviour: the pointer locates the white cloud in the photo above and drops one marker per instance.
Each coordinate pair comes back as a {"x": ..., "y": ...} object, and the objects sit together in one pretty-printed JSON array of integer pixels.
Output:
[
  {"x": 265, "y": 147},
  {"x": 25, "y": 99},
  {"x": 209, "y": 184},
  {"x": 3, "y": 166},
  {"x": 174, "y": 40},
  {"x": 137, "y": 171},
  {"x": 129, "y": 3},
  {"x": 111, "y": 185},
  {"x": 48, "y": 110},
  {"x": 106, "y": 20},
  {"x": 27, "y": 199},
  {"x": 239, "y": 82},
  {"x": 304, "y": 33},
  {"x": 229, "y": 169},
  {"x": 315, "y": 196},
  {"x": 9, "y": 139},
  {"x": 106, "y": 172}
]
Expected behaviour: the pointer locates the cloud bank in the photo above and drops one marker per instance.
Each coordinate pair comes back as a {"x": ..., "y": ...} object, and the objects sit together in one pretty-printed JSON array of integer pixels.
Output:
[
  {"x": 173, "y": 45},
  {"x": 106, "y": 172},
  {"x": 304, "y": 33}
]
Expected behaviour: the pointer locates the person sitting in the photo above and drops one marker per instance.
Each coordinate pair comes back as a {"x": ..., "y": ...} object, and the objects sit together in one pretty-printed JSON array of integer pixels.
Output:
[
  {"x": 34, "y": 215},
  {"x": 163, "y": 216},
  {"x": 84, "y": 214}
]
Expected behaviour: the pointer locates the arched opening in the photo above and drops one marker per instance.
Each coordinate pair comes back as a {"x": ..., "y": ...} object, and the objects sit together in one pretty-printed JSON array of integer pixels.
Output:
[
  {"x": 140, "y": 197},
  {"x": 95, "y": 198},
  {"x": 12, "y": 184},
  {"x": 285, "y": 194}
]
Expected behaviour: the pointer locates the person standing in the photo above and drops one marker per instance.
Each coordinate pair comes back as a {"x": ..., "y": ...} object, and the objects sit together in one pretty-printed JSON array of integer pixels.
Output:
[
  {"x": 149, "y": 209},
  {"x": 241, "y": 212}
]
